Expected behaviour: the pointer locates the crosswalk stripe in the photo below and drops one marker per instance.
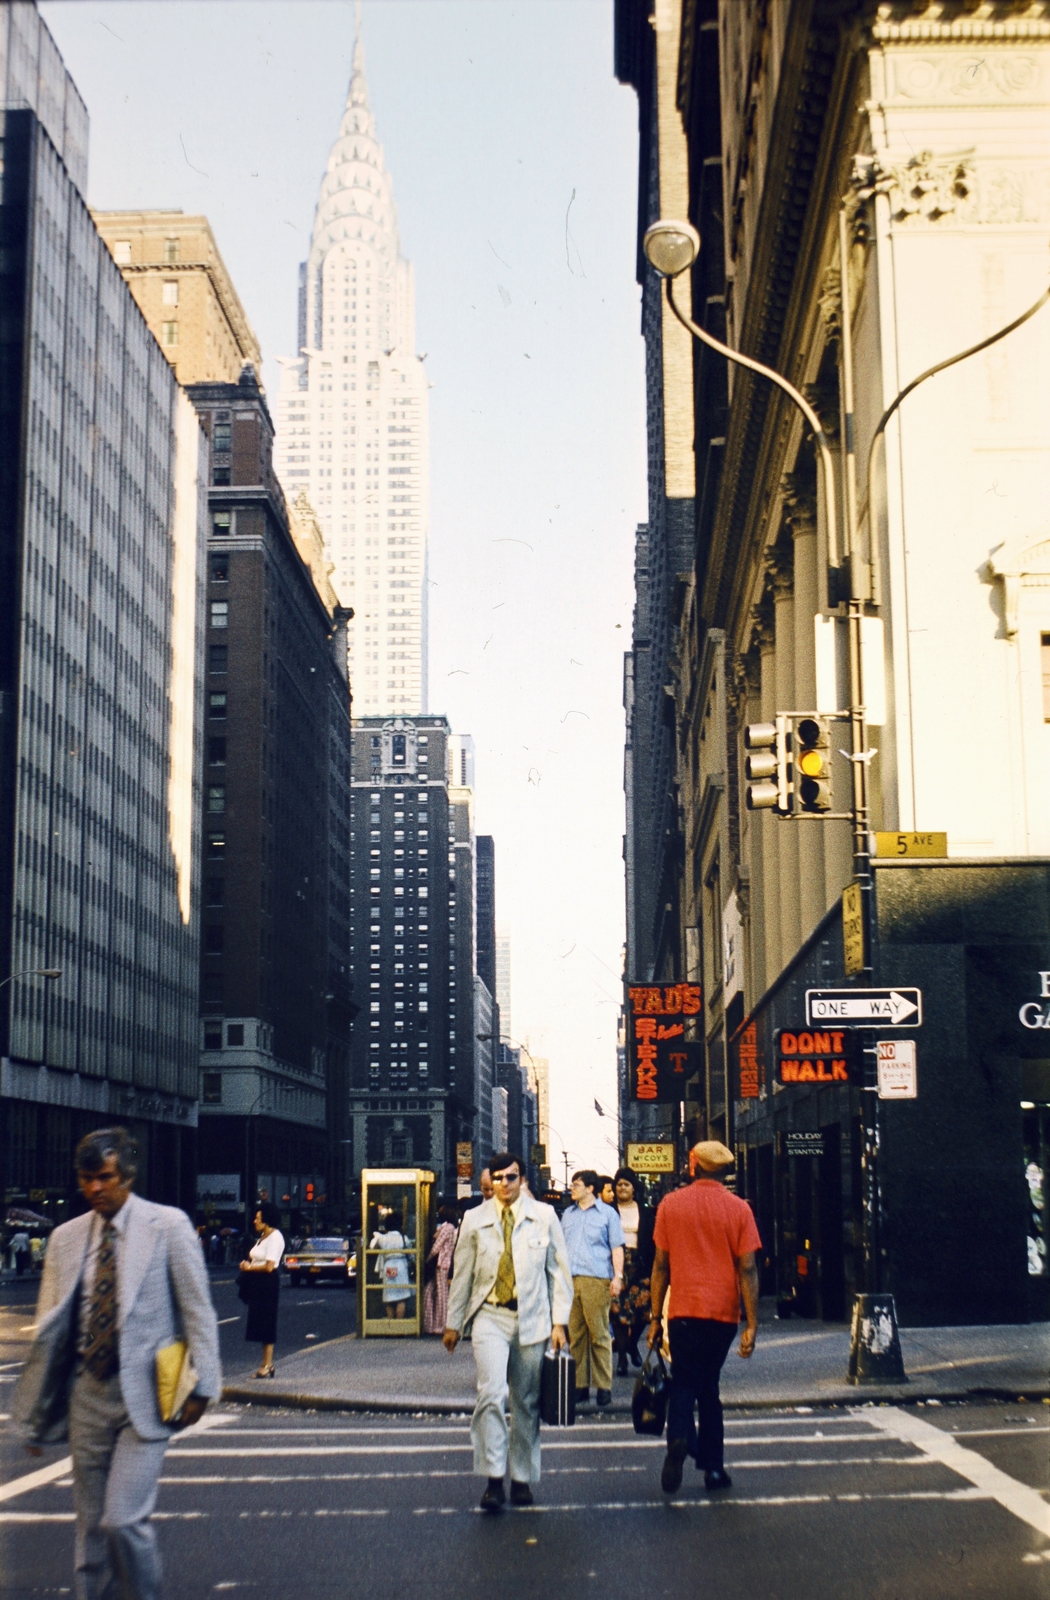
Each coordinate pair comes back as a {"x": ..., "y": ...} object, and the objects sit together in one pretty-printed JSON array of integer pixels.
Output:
[
  {"x": 322, "y": 1513},
  {"x": 36, "y": 1480},
  {"x": 434, "y": 1449},
  {"x": 1016, "y": 1497}
]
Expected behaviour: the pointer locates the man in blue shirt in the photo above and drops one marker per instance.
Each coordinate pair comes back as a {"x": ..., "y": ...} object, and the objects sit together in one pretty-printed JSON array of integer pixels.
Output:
[{"x": 595, "y": 1242}]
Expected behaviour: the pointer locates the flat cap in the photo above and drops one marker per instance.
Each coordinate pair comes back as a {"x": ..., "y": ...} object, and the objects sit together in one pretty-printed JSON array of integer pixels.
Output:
[{"x": 711, "y": 1155}]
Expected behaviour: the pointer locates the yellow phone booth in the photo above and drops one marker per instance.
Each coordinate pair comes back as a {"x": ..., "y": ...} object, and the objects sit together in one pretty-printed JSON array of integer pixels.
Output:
[{"x": 395, "y": 1236}]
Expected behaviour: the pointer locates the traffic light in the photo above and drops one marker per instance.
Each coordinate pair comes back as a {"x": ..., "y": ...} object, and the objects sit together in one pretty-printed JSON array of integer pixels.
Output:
[
  {"x": 767, "y": 767},
  {"x": 812, "y": 764}
]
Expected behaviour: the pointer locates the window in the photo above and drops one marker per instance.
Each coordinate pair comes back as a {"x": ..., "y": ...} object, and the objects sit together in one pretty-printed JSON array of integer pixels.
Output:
[
  {"x": 213, "y": 939},
  {"x": 211, "y": 1084},
  {"x": 171, "y": 250},
  {"x": 221, "y": 477},
  {"x": 220, "y": 565},
  {"x": 169, "y": 333},
  {"x": 216, "y": 847},
  {"x": 213, "y": 892},
  {"x": 170, "y": 292},
  {"x": 212, "y": 990},
  {"x": 221, "y": 436},
  {"x": 122, "y": 252},
  {"x": 1045, "y": 654},
  {"x": 217, "y": 658},
  {"x": 213, "y": 1036},
  {"x": 216, "y": 752},
  {"x": 217, "y": 705},
  {"x": 235, "y": 1033},
  {"x": 217, "y": 797},
  {"x": 222, "y": 527},
  {"x": 713, "y": 884},
  {"x": 219, "y": 613}
]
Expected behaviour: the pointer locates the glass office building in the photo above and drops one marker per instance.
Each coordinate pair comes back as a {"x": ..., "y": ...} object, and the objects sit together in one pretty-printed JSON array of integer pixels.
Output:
[{"x": 102, "y": 526}]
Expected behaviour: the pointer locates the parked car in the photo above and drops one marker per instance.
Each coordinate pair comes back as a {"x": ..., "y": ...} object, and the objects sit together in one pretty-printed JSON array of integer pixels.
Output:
[{"x": 315, "y": 1259}]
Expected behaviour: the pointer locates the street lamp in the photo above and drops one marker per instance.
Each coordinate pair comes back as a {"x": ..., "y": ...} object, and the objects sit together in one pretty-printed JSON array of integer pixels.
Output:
[{"x": 33, "y": 972}]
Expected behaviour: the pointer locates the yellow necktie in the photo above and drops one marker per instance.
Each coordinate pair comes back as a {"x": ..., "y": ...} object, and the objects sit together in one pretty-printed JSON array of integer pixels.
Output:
[{"x": 505, "y": 1281}]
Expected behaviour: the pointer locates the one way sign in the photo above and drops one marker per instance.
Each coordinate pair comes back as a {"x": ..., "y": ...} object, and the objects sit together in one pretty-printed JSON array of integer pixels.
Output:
[{"x": 865, "y": 1008}]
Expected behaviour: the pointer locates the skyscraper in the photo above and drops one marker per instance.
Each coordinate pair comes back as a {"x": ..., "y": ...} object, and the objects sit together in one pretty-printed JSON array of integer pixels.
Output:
[
  {"x": 413, "y": 1091},
  {"x": 352, "y": 415},
  {"x": 101, "y": 553}
]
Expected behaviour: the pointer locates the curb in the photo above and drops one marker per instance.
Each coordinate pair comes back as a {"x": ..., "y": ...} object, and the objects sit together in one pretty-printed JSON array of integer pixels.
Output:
[{"x": 408, "y": 1405}]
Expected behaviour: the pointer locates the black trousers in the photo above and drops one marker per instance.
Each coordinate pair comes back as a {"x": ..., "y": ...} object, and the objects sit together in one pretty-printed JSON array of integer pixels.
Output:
[{"x": 698, "y": 1351}]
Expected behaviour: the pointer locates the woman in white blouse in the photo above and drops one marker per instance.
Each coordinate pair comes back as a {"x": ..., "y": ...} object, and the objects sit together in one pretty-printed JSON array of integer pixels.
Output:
[{"x": 264, "y": 1258}]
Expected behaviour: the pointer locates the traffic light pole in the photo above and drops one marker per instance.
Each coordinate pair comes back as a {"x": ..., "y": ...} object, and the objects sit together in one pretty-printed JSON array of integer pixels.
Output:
[{"x": 860, "y": 756}]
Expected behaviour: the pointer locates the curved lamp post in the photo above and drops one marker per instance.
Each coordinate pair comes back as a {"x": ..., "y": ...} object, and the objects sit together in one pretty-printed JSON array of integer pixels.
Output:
[
  {"x": 33, "y": 972},
  {"x": 671, "y": 248}
]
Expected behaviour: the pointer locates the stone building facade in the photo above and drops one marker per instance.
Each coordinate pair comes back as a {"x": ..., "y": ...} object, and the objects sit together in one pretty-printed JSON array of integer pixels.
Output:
[
  {"x": 926, "y": 127},
  {"x": 171, "y": 264},
  {"x": 275, "y": 975}
]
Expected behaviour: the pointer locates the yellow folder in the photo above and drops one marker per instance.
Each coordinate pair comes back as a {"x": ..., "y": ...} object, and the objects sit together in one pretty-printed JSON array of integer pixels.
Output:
[{"x": 176, "y": 1379}]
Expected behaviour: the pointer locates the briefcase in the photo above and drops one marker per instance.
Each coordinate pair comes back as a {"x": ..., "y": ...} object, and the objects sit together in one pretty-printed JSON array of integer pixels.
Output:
[{"x": 558, "y": 1389}]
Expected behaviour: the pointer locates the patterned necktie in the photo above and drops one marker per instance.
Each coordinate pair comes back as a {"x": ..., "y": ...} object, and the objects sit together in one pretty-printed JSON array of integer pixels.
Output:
[
  {"x": 505, "y": 1281},
  {"x": 100, "y": 1349}
]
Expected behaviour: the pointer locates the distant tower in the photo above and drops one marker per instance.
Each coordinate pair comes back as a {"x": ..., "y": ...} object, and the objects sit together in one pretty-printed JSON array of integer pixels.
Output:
[
  {"x": 503, "y": 980},
  {"x": 352, "y": 416}
]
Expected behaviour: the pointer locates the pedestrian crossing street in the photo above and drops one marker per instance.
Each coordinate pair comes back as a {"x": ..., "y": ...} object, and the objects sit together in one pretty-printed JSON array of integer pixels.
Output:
[{"x": 249, "y": 1487}]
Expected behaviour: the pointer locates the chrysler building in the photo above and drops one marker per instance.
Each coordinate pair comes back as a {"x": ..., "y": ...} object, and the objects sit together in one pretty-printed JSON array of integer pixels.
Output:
[{"x": 352, "y": 416}]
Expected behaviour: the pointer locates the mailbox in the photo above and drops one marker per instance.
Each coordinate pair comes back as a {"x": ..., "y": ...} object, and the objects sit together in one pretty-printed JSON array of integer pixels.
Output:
[{"x": 396, "y": 1226}]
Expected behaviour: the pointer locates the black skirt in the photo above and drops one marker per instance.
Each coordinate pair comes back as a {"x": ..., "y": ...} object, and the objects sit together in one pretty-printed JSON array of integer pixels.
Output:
[{"x": 262, "y": 1308}]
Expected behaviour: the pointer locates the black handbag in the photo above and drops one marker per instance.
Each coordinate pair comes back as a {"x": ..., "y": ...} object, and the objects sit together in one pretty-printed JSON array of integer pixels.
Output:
[
  {"x": 651, "y": 1394},
  {"x": 558, "y": 1389}
]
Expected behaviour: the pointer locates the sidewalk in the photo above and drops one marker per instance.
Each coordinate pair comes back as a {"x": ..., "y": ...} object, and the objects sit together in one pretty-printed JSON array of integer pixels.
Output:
[{"x": 795, "y": 1363}]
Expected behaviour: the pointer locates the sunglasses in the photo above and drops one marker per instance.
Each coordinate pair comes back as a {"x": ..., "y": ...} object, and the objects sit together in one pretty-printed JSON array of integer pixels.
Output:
[{"x": 506, "y": 1177}]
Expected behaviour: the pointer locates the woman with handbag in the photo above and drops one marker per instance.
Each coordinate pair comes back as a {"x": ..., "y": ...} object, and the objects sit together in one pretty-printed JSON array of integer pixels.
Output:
[
  {"x": 392, "y": 1267},
  {"x": 437, "y": 1270},
  {"x": 629, "y": 1312},
  {"x": 263, "y": 1263}
]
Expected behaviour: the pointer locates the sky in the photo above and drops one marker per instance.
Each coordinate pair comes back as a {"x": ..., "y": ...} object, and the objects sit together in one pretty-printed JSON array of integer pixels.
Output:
[{"x": 513, "y": 153}]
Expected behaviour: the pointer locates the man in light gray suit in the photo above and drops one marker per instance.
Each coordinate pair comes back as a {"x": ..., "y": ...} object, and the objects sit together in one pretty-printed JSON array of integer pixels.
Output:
[
  {"x": 119, "y": 1284},
  {"x": 512, "y": 1288}
]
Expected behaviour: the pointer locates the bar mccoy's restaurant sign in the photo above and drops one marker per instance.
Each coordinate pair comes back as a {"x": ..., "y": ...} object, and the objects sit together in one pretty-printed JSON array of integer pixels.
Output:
[{"x": 661, "y": 1059}]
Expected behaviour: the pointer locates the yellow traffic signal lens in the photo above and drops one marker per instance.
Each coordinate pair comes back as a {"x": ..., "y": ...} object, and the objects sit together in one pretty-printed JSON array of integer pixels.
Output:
[{"x": 811, "y": 763}]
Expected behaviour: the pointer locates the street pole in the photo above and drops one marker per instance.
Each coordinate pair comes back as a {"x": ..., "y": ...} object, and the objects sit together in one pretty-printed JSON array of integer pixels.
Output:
[{"x": 871, "y": 1199}]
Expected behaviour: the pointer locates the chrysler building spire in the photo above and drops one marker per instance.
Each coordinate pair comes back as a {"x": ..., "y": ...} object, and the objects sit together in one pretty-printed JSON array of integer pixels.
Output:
[{"x": 352, "y": 415}]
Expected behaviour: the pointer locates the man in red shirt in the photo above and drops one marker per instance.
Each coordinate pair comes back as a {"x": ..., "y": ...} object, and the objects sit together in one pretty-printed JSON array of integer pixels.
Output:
[{"x": 705, "y": 1249}]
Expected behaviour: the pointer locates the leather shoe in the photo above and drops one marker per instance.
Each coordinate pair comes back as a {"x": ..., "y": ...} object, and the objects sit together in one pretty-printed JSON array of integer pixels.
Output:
[
  {"x": 671, "y": 1476},
  {"x": 494, "y": 1497},
  {"x": 603, "y": 1397},
  {"x": 520, "y": 1494},
  {"x": 719, "y": 1479},
  {"x": 582, "y": 1395},
  {"x": 621, "y": 1365}
]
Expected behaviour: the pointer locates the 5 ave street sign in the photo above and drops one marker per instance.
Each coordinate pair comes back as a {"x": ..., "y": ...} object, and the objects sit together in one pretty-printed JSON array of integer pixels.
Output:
[{"x": 865, "y": 1008}]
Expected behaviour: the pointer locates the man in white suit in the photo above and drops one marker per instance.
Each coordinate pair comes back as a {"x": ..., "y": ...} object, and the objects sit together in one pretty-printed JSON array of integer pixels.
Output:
[
  {"x": 512, "y": 1288},
  {"x": 119, "y": 1284}
]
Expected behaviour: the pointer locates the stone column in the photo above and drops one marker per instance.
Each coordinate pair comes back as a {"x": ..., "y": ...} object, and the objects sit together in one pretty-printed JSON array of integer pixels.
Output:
[
  {"x": 802, "y": 517},
  {"x": 781, "y": 566}
]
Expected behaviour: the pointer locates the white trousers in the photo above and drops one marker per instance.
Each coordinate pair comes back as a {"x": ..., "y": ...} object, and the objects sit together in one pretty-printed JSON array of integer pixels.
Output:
[
  {"x": 506, "y": 1366},
  {"x": 115, "y": 1475}
]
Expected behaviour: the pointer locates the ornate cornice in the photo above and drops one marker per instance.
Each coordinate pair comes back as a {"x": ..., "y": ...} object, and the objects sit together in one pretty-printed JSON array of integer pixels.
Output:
[
  {"x": 819, "y": 90},
  {"x": 951, "y": 21}
]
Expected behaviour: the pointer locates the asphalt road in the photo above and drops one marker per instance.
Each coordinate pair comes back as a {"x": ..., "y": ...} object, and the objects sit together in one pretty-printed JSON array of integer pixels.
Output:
[
  {"x": 833, "y": 1505},
  {"x": 306, "y": 1316}
]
